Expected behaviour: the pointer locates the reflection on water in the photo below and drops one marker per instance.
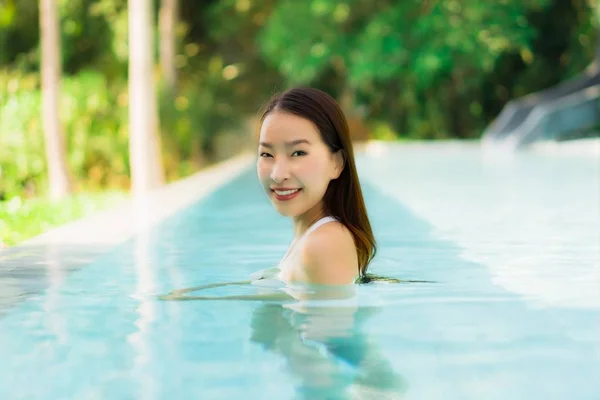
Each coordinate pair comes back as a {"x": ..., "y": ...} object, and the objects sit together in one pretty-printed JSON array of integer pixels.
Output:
[
  {"x": 319, "y": 331},
  {"x": 326, "y": 350}
]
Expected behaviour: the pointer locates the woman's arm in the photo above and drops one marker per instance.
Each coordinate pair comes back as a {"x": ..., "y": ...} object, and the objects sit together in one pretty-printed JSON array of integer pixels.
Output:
[
  {"x": 277, "y": 296},
  {"x": 179, "y": 293},
  {"x": 209, "y": 286},
  {"x": 301, "y": 292}
]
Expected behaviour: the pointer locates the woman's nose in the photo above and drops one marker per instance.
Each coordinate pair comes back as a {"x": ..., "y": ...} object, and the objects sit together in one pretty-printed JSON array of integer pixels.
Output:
[{"x": 280, "y": 171}]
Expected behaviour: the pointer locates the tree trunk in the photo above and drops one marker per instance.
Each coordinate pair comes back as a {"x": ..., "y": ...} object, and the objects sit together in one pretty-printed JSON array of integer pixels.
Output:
[
  {"x": 597, "y": 35},
  {"x": 597, "y": 58},
  {"x": 144, "y": 142},
  {"x": 58, "y": 175},
  {"x": 454, "y": 105},
  {"x": 168, "y": 43}
]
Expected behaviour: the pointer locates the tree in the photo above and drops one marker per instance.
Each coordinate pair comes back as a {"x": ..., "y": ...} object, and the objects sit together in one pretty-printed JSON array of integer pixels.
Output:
[
  {"x": 428, "y": 58},
  {"x": 144, "y": 142},
  {"x": 168, "y": 17},
  {"x": 58, "y": 175}
]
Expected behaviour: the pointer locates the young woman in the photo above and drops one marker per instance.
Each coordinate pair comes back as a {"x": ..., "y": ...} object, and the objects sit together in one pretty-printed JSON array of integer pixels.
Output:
[{"x": 306, "y": 167}]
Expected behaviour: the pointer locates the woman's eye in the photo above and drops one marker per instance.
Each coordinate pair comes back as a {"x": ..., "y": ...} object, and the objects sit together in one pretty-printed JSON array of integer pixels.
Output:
[
  {"x": 299, "y": 153},
  {"x": 265, "y": 155}
]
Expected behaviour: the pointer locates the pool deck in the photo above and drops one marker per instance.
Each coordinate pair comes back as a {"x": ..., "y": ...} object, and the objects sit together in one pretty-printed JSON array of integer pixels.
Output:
[
  {"x": 580, "y": 147},
  {"x": 121, "y": 222}
]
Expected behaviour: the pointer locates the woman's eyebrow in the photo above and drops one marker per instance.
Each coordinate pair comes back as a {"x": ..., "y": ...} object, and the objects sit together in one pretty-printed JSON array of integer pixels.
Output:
[
  {"x": 296, "y": 142},
  {"x": 287, "y": 144}
]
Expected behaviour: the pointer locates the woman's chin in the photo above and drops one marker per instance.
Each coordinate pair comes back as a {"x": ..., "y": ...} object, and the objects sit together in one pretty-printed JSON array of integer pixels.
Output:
[{"x": 285, "y": 211}]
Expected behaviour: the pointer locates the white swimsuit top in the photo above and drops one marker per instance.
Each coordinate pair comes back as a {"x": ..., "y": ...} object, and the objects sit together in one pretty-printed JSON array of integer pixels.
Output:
[
  {"x": 267, "y": 276},
  {"x": 310, "y": 230}
]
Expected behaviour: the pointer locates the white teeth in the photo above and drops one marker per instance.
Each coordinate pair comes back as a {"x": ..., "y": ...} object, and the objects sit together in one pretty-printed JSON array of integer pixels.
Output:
[{"x": 286, "y": 192}]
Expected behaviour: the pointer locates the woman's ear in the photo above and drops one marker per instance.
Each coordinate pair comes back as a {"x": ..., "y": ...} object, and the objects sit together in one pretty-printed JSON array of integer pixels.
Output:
[{"x": 339, "y": 163}]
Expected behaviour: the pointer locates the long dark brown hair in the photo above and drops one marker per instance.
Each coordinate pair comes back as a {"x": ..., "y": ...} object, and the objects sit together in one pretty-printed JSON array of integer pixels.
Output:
[{"x": 343, "y": 198}]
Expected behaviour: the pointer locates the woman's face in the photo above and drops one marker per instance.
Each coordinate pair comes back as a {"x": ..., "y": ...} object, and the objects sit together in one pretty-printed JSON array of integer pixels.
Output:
[{"x": 294, "y": 165}]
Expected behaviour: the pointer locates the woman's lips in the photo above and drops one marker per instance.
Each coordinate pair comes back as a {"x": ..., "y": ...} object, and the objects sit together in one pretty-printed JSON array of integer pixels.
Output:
[{"x": 285, "y": 194}]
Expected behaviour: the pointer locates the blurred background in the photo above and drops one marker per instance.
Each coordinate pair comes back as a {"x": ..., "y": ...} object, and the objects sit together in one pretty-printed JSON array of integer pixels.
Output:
[{"x": 402, "y": 70}]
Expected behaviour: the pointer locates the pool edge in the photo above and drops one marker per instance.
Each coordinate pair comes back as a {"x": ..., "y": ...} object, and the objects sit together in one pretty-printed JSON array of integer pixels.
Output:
[{"x": 120, "y": 222}]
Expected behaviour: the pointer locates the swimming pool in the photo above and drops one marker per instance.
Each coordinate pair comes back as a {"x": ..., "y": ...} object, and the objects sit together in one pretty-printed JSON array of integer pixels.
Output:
[{"x": 511, "y": 244}]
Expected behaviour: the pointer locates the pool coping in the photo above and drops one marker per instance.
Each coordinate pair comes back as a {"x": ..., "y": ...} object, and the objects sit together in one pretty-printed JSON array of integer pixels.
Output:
[{"x": 122, "y": 221}]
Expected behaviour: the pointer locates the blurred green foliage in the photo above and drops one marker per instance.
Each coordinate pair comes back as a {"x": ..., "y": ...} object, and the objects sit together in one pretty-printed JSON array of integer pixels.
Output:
[
  {"x": 22, "y": 219},
  {"x": 94, "y": 117},
  {"x": 430, "y": 69},
  {"x": 411, "y": 69}
]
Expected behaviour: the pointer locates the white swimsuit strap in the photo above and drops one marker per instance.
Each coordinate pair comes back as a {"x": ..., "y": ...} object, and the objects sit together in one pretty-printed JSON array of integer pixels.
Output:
[
  {"x": 317, "y": 224},
  {"x": 311, "y": 229}
]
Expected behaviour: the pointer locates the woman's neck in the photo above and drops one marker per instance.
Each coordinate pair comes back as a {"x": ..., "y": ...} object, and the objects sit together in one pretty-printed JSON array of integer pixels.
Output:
[{"x": 304, "y": 221}]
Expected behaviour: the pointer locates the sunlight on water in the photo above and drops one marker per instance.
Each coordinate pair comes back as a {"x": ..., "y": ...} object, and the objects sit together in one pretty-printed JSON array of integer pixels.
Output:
[{"x": 531, "y": 219}]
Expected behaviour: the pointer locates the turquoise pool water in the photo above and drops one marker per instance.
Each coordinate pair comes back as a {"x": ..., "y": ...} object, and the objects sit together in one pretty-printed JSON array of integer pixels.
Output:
[{"x": 512, "y": 245}]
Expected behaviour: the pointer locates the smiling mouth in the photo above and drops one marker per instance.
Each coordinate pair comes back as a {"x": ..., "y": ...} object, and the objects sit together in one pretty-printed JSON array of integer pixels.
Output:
[
  {"x": 284, "y": 195},
  {"x": 285, "y": 192}
]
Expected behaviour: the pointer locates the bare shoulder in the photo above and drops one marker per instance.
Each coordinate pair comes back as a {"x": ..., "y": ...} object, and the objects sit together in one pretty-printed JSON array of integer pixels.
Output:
[{"x": 329, "y": 255}]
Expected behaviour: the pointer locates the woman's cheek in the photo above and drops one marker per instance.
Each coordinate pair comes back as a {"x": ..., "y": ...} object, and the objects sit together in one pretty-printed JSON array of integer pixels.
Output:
[
  {"x": 263, "y": 171},
  {"x": 310, "y": 171}
]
